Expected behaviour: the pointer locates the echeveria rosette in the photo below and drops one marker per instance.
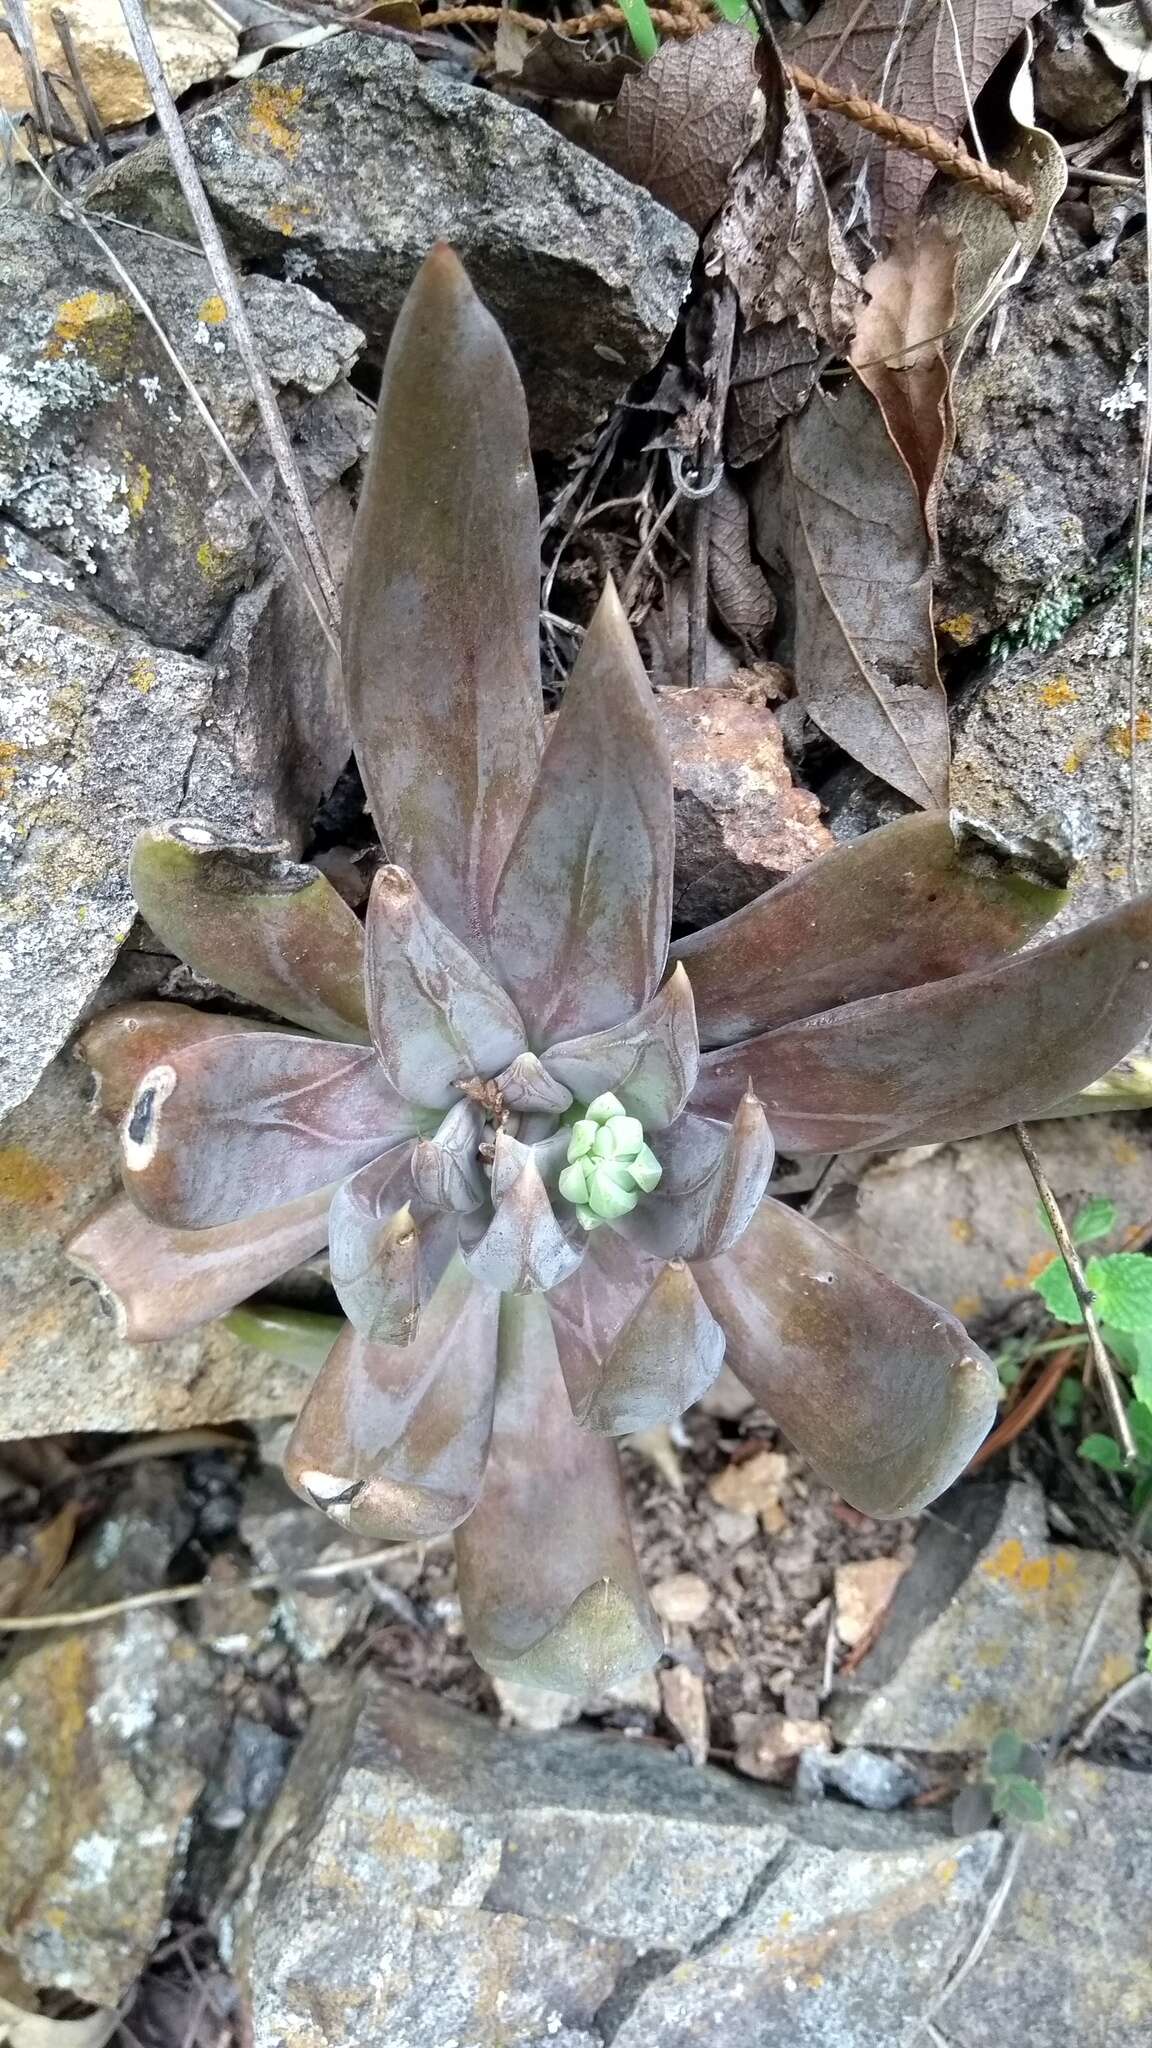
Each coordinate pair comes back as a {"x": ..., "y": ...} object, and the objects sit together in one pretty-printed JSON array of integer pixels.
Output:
[{"x": 546, "y": 1212}]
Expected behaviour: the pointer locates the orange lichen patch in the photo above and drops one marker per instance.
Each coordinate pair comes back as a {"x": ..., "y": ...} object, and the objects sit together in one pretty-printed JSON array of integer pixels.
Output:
[
  {"x": 961, "y": 1230},
  {"x": 98, "y": 323},
  {"x": 961, "y": 628},
  {"x": 271, "y": 113},
  {"x": 1056, "y": 693},
  {"x": 966, "y": 1305},
  {"x": 26, "y": 1181},
  {"x": 1120, "y": 738},
  {"x": 1037, "y": 1264},
  {"x": 1072, "y": 763},
  {"x": 9, "y": 755},
  {"x": 1013, "y": 1283},
  {"x": 212, "y": 311},
  {"x": 1032, "y": 1574}
]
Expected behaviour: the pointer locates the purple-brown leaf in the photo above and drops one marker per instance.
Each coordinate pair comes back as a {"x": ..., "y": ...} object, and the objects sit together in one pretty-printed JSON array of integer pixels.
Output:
[
  {"x": 584, "y": 903},
  {"x": 953, "y": 1058},
  {"x": 649, "y": 1061},
  {"x": 682, "y": 124},
  {"x": 122, "y": 1043},
  {"x": 522, "y": 1249},
  {"x": 549, "y": 1584},
  {"x": 374, "y": 1249},
  {"x": 665, "y": 1356},
  {"x": 883, "y": 1391},
  {"x": 907, "y": 904},
  {"x": 441, "y": 658},
  {"x": 714, "y": 1180},
  {"x": 225, "y": 1129},
  {"x": 272, "y": 931}
]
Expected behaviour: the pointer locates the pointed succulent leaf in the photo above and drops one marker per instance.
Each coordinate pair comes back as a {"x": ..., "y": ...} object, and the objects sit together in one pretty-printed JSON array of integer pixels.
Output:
[
  {"x": 437, "y": 1017},
  {"x": 590, "y": 1309},
  {"x": 161, "y": 1283},
  {"x": 910, "y": 903},
  {"x": 604, "y": 1107},
  {"x": 612, "y": 1193},
  {"x": 374, "y": 1249},
  {"x": 526, "y": 1085},
  {"x": 582, "y": 1137},
  {"x": 122, "y": 1043},
  {"x": 698, "y": 1215},
  {"x": 573, "y": 1182},
  {"x": 274, "y": 932},
  {"x": 665, "y": 1357},
  {"x": 522, "y": 1248},
  {"x": 549, "y": 1585},
  {"x": 954, "y": 1058},
  {"x": 441, "y": 638},
  {"x": 883, "y": 1391},
  {"x": 232, "y": 1126},
  {"x": 584, "y": 902},
  {"x": 446, "y": 1170},
  {"x": 650, "y": 1061},
  {"x": 392, "y": 1439}
]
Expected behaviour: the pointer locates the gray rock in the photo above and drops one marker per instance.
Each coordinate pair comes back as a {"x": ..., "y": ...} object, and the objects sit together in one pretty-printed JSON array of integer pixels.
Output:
[
  {"x": 1042, "y": 740},
  {"x": 286, "y": 1536},
  {"x": 344, "y": 163},
  {"x": 63, "y": 1366},
  {"x": 107, "y": 1737},
  {"x": 426, "y": 1878},
  {"x": 877, "y": 1782},
  {"x": 984, "y": 1630},
  {"x": 102, "y": 454},
  {"x": 960, "y": 1223},
  {"x": 1071, "y": 1959},
  {"x": 1046, "y": 426}
]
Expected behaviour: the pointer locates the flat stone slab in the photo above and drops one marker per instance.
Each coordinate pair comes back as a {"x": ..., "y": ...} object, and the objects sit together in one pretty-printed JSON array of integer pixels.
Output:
[{"x": 984, "y": 1631}]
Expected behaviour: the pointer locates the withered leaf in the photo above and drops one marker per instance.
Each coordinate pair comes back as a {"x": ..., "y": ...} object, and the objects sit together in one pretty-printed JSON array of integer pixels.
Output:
[
  {"x": 683, "y": 122},
  {"x": 737, "y": 585},
  {"x": 900, "y": 353},
  {"x": 910, "y": 59},
  {"x": 773, "y": 372},
  {"x": 1123, "y": 36},
  {"x": 776, "y": 238},
  {"x": 558, "y": 67},
  {"x": 838, "y": 506}
]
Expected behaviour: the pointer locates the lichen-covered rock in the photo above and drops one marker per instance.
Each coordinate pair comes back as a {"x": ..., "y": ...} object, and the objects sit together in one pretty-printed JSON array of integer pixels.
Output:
[
  {"x": 345, "y": 162},
  {"x": 984, "y": 1630},
  {"x": 1047, "y": 425},
  {"x": 103, "y": 455},
  {"x": 741, "y": 822},
  {"x": 427, "y": 1878},
  {"x": 1042, "y": 746},
  {"x": 107, "y": 1736},
  {"x": 61, "y": 1365}
]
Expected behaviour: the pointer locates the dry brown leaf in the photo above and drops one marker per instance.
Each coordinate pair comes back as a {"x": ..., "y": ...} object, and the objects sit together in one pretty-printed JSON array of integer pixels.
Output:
[
  {"x": 912, "y": 66},
  {"x": 682, "y": 124},
  {"x": 899, "y": 352},
  {"x": 838, "y": 506},
  {"x": 556, "y": 67},
  {"x": 773, "y": 374},
  {"x": 737, "y": 585},
  {"x": 26, "y": 1573},
  {"x": 776, "y": 238}
]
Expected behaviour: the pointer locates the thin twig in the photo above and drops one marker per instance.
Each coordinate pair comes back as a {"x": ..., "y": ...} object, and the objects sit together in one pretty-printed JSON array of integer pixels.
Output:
[
  {"x": 1109, "y": 1384},
  {"x": 710, "y": 460},
  {"x": 1135, "y": 625},
  {"x": 198, "y": 1589},
  {"x": 1090, "y": 177},
  {"x": 196, "y": 199},
  {"x": 87, "y": 105},
  {"x": 645, "y": 551},
  {"x": 79, "y": 218},
  {"x": 25, "y": 42},
  {"x": 1140, "y": 1682}
]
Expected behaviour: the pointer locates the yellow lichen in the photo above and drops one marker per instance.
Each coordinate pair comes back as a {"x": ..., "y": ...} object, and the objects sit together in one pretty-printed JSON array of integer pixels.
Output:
[
  {"x": 270, "y": 114},
  {"x": 1072, "y": 763},
  {"x": 213, "y": 312},
  {"x": 1120, "y": 737},
  {"x": 25, "y": 1180},
  {"x": 143, "y": 677},
  {"x": 215, "y": 563},
  {"x": 961, "y": 1229},
  {"x": 9, "y": 755},
  {"x": 98, "y": 323},
  {"x": 961, "y": 628},
  {"x": 1056, "y": 693},
  {"x": 139, "y": 490}
]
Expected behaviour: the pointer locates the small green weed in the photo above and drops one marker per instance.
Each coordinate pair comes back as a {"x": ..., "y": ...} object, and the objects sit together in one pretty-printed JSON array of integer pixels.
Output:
[
  {"x": 1014, "y": 1771},
  {"x": 1121, "y": 1285}
]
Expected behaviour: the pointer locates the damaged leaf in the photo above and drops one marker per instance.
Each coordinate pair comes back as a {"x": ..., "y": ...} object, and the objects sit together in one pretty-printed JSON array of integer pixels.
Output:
[
  {"x": 773, "y": 373},
  {"x": 683, "y": 122},
  {"x": 840, "y": 508},
  {"x": 901, "y": 353},
  {"x": 737, "y": 585},
  {"x": 557, "y": 67}
]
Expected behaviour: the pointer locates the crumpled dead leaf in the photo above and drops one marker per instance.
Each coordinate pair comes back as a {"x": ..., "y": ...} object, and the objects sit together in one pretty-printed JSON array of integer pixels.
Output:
[
  {"x": 776, "y": 238},
  {"x": 27, "y": 1572},
  {"x": 737, "y": 585},
  {"x": 900, "y": 353},
  {"x": 908, "y": 59},
  {"x": 558, "y": 67},
  {"x": 682, "y": 124},
  {"x": 839, "y": 508},
  {"x": 1124, "y": 39},
  {"x": 773, "y": 372}
]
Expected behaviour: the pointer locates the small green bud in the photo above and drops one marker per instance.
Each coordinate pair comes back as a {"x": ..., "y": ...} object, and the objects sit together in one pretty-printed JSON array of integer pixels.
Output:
[
  {"x": 573, "y": 1182},
  {"x": 589, "y": 1218},
  {"x": 604, "y": 1107},
  {"x": 646, "y": 1169},
  {"x": 620, "y": 1138},
  {"x": 582, "y": 1139},
  {"x": 611, "y": 1192}
]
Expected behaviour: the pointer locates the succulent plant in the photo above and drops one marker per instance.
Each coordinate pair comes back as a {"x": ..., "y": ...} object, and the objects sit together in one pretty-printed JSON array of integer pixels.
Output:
[{"x": 545, "y": 1207}]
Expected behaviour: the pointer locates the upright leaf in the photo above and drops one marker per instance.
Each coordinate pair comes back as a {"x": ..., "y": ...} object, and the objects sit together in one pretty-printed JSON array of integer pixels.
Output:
[
  {"x": 441, "y": 658},
  {"x": 913, "y": 902},
  {"x": 549, "y": 1584},
  {"x": 953, "y": 1058},
  {"x": 900, "y": 352},
  {"x": 584, "y": 903},
  {"x": 840, "y": 509},
  {"x": 884, "y": 1392},
  {"x": 273, "y": 931},
  {"x": 664, "y": 1357},
  {"x": 649, "y": 1061}
]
